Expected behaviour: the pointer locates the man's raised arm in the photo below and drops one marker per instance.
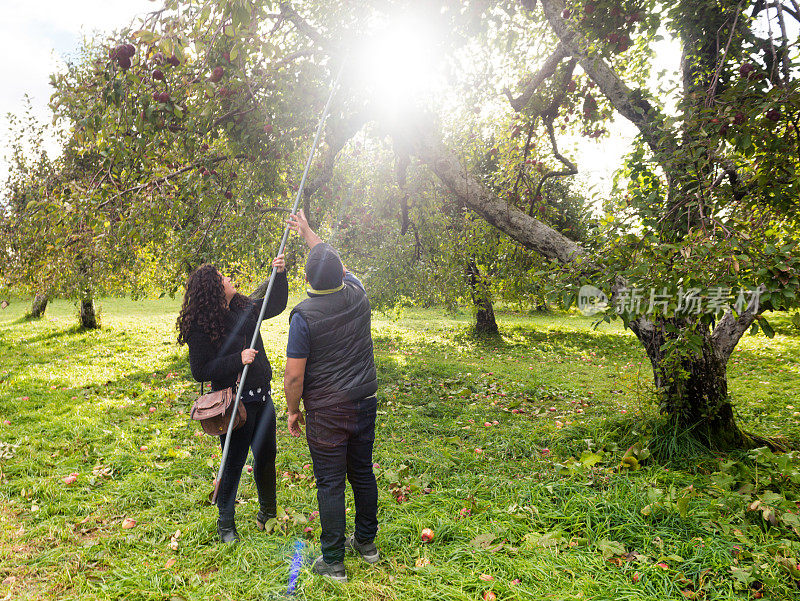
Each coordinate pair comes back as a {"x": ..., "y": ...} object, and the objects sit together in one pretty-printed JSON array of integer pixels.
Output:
[{"x": 299, "y": 224}]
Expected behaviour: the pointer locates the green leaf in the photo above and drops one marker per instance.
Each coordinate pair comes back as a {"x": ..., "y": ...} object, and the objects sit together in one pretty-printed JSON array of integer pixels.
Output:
[
  {"x": 147, "y": 37},
  {"x": 683, "y": 506},
  {"x": 589, "y": 458},
  {"x": 483, "y": 541},
  {"x": 766, "y": 328},
  {"x": 554, "y": 538},
  {"x": 610, "y": 548}
]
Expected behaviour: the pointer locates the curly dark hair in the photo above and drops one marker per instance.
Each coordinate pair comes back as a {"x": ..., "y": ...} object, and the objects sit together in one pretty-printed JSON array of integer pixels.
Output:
[{"x": 204, "y": 306}]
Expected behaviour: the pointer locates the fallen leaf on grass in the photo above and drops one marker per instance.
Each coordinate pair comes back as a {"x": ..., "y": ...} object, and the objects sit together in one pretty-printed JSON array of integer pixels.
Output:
[
  {"x": 170, "y": 562},
  {"x": 610, "y": 548},
  {"x": 482, "y": 541}
]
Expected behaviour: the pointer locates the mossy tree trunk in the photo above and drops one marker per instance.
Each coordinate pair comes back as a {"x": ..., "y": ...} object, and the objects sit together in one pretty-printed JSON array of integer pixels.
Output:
[
  {"x": 88, "y": 316},
  {"x": 38, "y": 306},
  {"x": 691, "y": 380},
  {"x": 485, "y": 323}
]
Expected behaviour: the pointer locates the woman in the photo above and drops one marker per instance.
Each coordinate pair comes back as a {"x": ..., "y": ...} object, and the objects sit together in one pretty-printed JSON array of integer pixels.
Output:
[{"x": 218, "y": 324}]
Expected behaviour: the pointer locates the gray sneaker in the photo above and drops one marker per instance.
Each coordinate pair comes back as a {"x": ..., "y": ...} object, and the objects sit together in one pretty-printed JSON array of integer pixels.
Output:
[
  {"x": 368, "y": 551},
  {"x": 334, "y": 571}
]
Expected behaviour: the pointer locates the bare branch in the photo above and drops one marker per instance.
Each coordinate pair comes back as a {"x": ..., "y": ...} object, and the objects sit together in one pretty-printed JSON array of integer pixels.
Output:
[
  {"x": 530, "y": 232},
  {"x": 795, "y": 14},
  {"x": 533, "y": 83},
  {"x": 787, "y": 69},
  {"x": 305, "y": 28},
  {"x": 571, "y": 168},
  {"x": 631, "y": 104},
  {"x": 713, "y": 87},
  {"x": 731, "y": 327}
]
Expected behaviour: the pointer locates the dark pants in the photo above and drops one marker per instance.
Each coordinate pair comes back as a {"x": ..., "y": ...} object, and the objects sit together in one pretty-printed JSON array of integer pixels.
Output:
[
  {"x": 258, "y": 433},
  {"x": 340, "y": 439}
]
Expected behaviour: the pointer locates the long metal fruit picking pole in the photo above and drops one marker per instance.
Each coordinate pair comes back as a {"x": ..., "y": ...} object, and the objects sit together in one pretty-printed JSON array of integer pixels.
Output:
[{"x": 226, "y": 447}]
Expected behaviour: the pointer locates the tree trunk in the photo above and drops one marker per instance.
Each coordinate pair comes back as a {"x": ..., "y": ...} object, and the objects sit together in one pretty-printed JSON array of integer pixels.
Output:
[
  {"x": 485, "y": 323},
  {"x": 38, "y": 306},
  {"x": 692, "y": 384},
  {"x": 88, "y": 315}
]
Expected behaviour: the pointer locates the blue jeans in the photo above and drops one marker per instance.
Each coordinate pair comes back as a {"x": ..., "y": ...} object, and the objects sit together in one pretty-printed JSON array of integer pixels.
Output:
[
  {"x": 340, "y": 439},
  {"x": 258, "y": 433}
]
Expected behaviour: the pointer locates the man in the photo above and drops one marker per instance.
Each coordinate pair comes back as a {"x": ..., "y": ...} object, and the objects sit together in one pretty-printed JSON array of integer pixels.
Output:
[{"x": 330, "y": 365}]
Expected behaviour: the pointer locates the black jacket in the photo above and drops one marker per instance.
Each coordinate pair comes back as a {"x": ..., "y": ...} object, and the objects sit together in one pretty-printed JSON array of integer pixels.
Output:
[
  {"x": 340, "y": 366},
  {"x": 220, "y": 363}
]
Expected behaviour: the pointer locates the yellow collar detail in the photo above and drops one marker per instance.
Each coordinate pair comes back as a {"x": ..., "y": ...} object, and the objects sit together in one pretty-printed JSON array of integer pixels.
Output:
[{"x": 331, "y": 291}]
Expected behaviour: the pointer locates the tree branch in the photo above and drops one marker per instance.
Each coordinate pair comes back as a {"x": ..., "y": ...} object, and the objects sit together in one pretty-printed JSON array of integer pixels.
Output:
[
  {"x": 571, "y": 168},
  {"x": 631, "y": 104},
  {"x": 731, "y": 328},
  {"x": 785, "y": 63},
  {"x": 713, "y": 87},
  {"x": 169, "y": 176},
  {"x": 533, "y": 83},
  {"x": 306, "y": 29},
  {"x": 527, "y": 230}
]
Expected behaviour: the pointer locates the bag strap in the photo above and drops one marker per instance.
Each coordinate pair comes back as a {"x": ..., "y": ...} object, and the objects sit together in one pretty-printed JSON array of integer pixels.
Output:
[{"x": 238, "y": 379}]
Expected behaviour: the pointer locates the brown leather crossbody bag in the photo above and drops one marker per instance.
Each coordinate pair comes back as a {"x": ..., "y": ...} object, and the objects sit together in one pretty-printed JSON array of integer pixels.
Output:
[{"x": 213, "y": 410}]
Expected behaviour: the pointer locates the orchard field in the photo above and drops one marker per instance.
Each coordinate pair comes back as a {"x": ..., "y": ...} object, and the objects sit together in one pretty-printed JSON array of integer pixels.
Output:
[{"x": 532, "y": 457}]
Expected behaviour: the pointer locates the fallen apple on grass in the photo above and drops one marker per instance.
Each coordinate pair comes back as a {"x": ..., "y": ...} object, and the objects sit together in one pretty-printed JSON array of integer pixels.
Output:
[
  {"x": 128, "y": 523},
  {"x": 426, "y": 535}
]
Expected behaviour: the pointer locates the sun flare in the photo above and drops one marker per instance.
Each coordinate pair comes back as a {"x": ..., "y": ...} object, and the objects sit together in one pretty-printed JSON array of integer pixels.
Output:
[{"x": 398, "y": 64}]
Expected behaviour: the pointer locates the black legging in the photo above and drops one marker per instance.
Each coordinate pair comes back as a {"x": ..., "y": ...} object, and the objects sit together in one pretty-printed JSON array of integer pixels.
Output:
[{"x": 258, "y": 433}]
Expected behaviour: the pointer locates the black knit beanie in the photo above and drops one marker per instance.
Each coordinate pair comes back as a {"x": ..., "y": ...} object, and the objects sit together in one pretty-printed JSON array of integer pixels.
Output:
[{"x": 324, "y": 268}]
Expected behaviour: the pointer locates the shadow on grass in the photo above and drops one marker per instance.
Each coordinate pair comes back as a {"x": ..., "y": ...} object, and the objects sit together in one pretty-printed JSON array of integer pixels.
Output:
[
  {"x": 519, "y": 337},
  {"x": 70, "y": 332}
]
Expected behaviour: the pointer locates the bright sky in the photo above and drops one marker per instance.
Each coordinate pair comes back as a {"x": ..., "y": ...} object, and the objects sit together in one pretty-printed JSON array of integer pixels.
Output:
[{"x": 35, "y": 38}]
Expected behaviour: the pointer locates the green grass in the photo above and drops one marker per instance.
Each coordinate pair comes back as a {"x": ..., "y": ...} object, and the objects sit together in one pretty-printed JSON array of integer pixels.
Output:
[{"x": 542, "y": 497}]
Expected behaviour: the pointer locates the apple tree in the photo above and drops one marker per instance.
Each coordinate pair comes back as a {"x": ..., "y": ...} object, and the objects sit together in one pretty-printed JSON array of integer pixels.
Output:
[
  {"x": 178, "y": 134},
  {"x": 708, "y": 199}
]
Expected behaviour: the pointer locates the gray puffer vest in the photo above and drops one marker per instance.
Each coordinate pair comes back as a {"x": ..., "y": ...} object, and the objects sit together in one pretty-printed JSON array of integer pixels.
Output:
[{"x": 340, "y": 366}]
